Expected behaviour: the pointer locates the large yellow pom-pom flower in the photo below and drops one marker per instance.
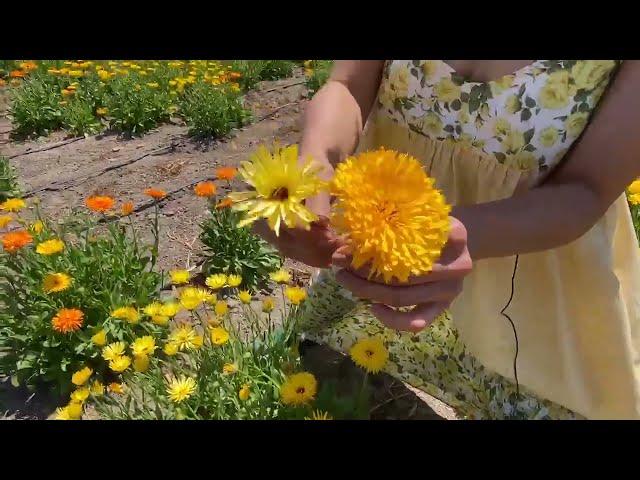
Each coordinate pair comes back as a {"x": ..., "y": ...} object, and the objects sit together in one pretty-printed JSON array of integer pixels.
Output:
[
  {"x": 280, "y": 185},
  {"x": 298, "y": 389},
  {"x": 394, "y": 217}
]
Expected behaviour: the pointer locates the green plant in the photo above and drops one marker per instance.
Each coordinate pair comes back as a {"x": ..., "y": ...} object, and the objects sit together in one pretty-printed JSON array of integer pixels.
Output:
[
  {"x": 212, "y": 110},
  {"x": 254, "y": 71},
  {"x": 8, "y": 180},
  {"x": 317, "y": 73},
  {"x": 79, "y": 119},
  {"x": 35, "y": 108},
  {"x": 229, "y": 249}
]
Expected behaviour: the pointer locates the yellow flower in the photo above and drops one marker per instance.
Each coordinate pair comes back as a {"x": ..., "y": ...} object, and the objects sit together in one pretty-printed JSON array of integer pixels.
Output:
[
  {"x": 281, "y": 185},
  {"x": 298, "y": 389},
  {"x": 80, "y": 377},
  {"x": 13, "y": 205},
  {"x": 181, "y": 389},
  {"x": 446, "y": 90},
  {"x": 100, "y": 338},
  {"x": 80, "y": 395},
  {"x": 499, "y": 86},
  {"x": 198, "y": 341},
  {"x": 268, "y": 304},
  {"x": 429, "y": 67},
  {"x": 170, "y": 309},
  {"x": 152, "y": 84},
  {"x": 5, "y": 220},
  {"x": 101, "y": 112},
  {"x": 56, "y": 282},
  {"x": 216, "y": 281},
  {"x": 179, "y": 277},
  {"x": 555, "y": 93},
  {"x": 512, "y": 104},
  {"x": 141, "y": 363},
  {"x": 113, "y": 351},
  {"x": 50, "y": 247},
  {"x": 62, "y": 414},
  {"x": 191, "y": 297},
  {"x": 229, "y": 368},
  {"x": 575, "y": 123},
  {"x": 219, "y": 336},
  {"x": 170, "y": 349},
  {"x": 399, "y": 81},
  {"x": 160, "y": 320},
  {"x": 76, "y": 73},
  {"x": 120, "y": 364},
  {"x": 234, "y": 280},
  {"x": 74, "y": 410},
  {"x": 143, "y": 346},
  {"x": 280, "y": 276},
  {"x": 296, "y": 295},
  {"x": 370, "y": 354},
  {"x": 221, "y": 308},
  {"x": 152, "y": 309},
  {"x": 244, "y": 392},
  {"x": 319, "y": 415},
  {"x": 587, "y": 74},
  {"x": 184, "y": 337},
  {"x": 399, "y": 227},
  {"x": 97, "y": 389},
  {"x": 116, "y": 388},
  {"x": 37, "y": 227},
  {"x": 245, "y": 297},
  {"x": 130, "y": 314},
  {"x": 432, "y": 124},
  {"x": 548, "y": 137},
  {"x": 502, "y": 127}
]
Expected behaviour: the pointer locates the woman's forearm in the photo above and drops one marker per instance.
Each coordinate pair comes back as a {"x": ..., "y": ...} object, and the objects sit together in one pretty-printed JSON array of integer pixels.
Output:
[{"x": 540, "y": 219}]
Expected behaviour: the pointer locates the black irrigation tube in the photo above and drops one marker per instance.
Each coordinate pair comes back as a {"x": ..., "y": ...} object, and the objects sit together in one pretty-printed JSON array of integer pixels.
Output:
[{"x": 49, "y": 147}]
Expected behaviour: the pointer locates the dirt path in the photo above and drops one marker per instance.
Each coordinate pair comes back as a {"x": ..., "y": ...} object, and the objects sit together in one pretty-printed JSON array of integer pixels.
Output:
[{"x": 63, "y": 172}]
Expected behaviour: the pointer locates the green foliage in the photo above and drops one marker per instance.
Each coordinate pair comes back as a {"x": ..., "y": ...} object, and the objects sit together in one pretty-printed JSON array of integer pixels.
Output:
[
  {"x": 317, "y": 72},
  {"x": 8, "y": 180},
  {"x": 254, "y": 71},
  {"x": 35, "y": 108},
  {"x": 213, "y": 110},
  {"x": 229, "y": 249},
  {"x": 78, "y": 118}
]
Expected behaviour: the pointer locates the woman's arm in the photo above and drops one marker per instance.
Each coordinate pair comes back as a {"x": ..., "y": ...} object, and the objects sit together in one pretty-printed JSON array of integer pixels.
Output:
[{"x": 603, "y": 162}]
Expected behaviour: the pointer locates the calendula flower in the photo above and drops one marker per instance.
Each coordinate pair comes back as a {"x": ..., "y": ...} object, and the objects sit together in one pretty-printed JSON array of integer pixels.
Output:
[
  {"x": 245, "y": 297},
  {"x": 398, "y": 227},
  {"x": 216, "y": 281},
  {"x": 5, "y": 220},
  {"x": 170, "y": 349},
  {"x": 296, "y": 295},
  {"x": 191, "y": 297},
  {"x": 181, "y": 389},
  {"x": 170, "y": 309},
  {"x": 219, "y": 336},
  {"x": 80, "y": 395},
  {"x": 73, "y": 411},
  {"x": 198, "y": 341},
  {"x": 130, "y": 314},
  {"x": 152, "y": 84},
  {"x": 370, "y": 354},
  {"x": 13, "y": 205},
  {"x": 127, "y": 209},
  {"x": 62, "y": 414},
  {"x": 221, "y": 308},
  {"x": 633, "y": 192},
  {"x": 229, "y": 368},
  {"x": 268, "y": 304},
  {"x": 234, "y": 280},
  {"x": 50, "y": 247},
  {"x": 80, "y": 377},
  {"x": 14, "y": 241},
  {"x": 113, "y": 351},
  {"x": 98, "y": 203},
  {"x": 120, "y": 364},
  {"x": 205, "y": 189},
  {"x": 100, "y": 338},
  {"x": 116, "y": 388},
  {"x": 152, "y": 309},
  {"x": 67, "y": 320},
  {"x": 102, "y": 111},
  {"x": 155, "y": 193},
  {"x": 184, "y": 337},
  {"x": 319, "y": 415},
  {"x": 281, "y": 186},
  {"x": 280, "y": 276},
  {"x": 227, "y": 202},
  {"x": 97, "y": 388},
  {"x": 244, "y": 392},
  {"x": 160, "y": 320},
  {"x": 226, "y": 173},
  {"x": 298, "y": 389},
  {"x": 141, "y": 363},
  {"x": 143, "y": 346},
  {"x": 37, "y": 227},
  {"x": 179, "y": 277},
  {"x": 56, "y": 282}
]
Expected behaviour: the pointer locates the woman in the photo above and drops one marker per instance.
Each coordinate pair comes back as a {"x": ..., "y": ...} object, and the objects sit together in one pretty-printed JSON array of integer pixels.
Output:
[{"x": 535, "y": 157}]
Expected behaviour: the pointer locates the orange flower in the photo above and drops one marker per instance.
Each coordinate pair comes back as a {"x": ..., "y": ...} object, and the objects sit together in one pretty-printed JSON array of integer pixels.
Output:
[
  {"x": 67, "y": 320},
  {"x": 17, "y": 74},
  {"x": 2, "y": 82},
  {"x": 127, "y": 209},
  {"x": 155, "y": 193},
  {"x": 205, "y": 189},
  {"x": 100, "y": 203},
  {"x": 14, "y": 241},
  {"x": 227, "y": 202},
  {"x": 226, "y": 173},
  {"x": 234, "y": 75}
]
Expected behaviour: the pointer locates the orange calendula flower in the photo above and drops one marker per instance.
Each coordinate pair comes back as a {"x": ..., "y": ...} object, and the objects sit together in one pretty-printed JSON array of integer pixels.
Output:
[
  {"x": 155, "y": 193},
  {"x": 226, "y": 203},
  {"x": 127, "y": 209},
  {"x": 14, "y": 241},
  {"x": 17, "y": 74},
  {"x": 67, "y": 320},
  {"x": 99, "y": 203},
  {"x": 226, "y": 173},
  {"x": 205, "y": 189}
]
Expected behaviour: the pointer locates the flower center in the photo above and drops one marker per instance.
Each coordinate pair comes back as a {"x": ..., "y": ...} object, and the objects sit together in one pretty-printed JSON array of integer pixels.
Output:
[
  {"x": 280, "y": 193},
  {"x": 369, "y": 353},
  {"x": 300, "y": 390}
]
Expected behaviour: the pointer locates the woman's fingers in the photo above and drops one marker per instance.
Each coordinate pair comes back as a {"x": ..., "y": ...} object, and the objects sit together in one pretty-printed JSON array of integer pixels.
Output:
[{"x": 413, "y": 321}]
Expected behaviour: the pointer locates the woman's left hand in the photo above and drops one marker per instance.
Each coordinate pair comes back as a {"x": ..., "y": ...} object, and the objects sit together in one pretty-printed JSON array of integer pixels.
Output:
[{"x": 431, "y": 294}]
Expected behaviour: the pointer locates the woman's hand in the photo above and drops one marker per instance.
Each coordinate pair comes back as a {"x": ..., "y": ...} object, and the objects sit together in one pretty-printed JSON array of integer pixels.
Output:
[{"x": 431, "y": 294}]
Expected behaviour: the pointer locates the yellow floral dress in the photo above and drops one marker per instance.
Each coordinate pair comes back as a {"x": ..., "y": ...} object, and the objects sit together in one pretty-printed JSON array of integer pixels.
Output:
[{"x": 575, "y": 309}]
